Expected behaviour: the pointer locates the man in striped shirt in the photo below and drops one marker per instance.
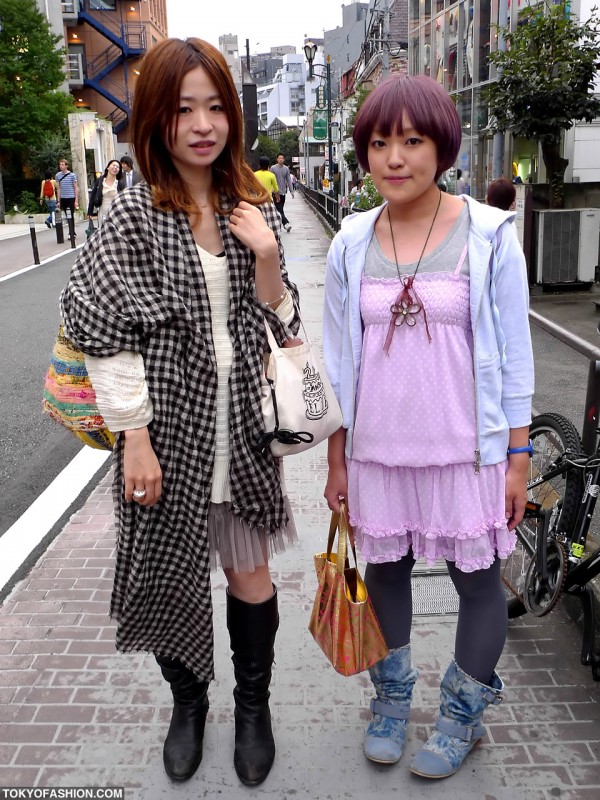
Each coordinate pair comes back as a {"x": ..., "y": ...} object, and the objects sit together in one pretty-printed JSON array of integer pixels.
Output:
[{"x": 68, "y": 188}]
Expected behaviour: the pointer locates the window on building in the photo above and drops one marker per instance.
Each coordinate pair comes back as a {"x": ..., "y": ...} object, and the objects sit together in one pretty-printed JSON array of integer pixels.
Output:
[
  {"x": 437, "y": 50},
  {"x": 103, "y": 5},
  {"x": 413, "y": 13},
  {"x": 452, "y": 49},
  {"x": 415, "y": 54},
  {"x": 466, "y": 46},
  {"x": 76, "y": 64},
  {"x": 484, "y": 39},
  {"x": 426, "y": 50}
]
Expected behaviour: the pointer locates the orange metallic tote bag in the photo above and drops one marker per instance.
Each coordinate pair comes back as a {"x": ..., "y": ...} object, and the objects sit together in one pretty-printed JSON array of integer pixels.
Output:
[{"x": 343, "y": 621}]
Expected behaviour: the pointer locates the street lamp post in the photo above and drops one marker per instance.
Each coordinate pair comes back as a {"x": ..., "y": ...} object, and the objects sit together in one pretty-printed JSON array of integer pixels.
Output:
[{"x": 310, "y": 51}]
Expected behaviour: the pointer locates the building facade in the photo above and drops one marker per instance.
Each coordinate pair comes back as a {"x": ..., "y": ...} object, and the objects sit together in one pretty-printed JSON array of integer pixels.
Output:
[
  {"x": 228, "y": 45},
  {"x": 450, "y": 41},
  {"x": 105, "y": 41},
  {"x": 344, "y": 43},
  {"x": 286, "y": 96}
]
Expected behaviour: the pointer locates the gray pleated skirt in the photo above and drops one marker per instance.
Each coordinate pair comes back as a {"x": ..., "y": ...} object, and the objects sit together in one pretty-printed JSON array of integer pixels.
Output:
[{"x": 233, "y": 544}]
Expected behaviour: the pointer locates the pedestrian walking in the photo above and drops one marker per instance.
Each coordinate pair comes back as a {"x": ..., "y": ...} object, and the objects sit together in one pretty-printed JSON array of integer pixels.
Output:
[
  {"x": 284, "y": 182},
  {"x": 356, "y": 192},
  {"x": 48, "y": 193},
  {"x": 168, "y": 302},
  {"x": 129, "y": 175},
  {"x": 68, "y": 188},
  {"x": 267, "y": 179},
  {"x": 426, "y": 336},
  {"x": 104, "y": 190}
]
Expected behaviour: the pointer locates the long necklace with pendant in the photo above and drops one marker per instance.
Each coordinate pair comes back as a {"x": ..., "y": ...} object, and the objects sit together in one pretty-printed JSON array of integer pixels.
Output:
[{"x": 408, "y": 305}]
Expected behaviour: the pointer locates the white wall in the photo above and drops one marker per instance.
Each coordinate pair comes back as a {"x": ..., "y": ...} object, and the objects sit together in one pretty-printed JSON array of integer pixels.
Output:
[
  {"x": 582, "y": 142},
  {"x": 585, "y": 140}
]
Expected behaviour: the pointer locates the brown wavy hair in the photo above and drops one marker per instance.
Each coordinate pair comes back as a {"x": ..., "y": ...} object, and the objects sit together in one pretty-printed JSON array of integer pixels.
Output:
[{"x": 155, "y": 106}]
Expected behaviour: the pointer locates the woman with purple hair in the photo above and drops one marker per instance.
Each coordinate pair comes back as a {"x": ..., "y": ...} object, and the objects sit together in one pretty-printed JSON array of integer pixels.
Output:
[{"x": 426, "y": 340}]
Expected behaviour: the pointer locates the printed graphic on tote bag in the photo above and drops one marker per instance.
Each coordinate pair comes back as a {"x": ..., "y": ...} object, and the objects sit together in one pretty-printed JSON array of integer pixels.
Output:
[{"x": 314, "y": 393}]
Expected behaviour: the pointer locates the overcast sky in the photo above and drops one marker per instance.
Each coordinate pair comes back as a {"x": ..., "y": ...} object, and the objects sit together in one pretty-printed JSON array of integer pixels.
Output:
[{"x": 266, "y": 23}]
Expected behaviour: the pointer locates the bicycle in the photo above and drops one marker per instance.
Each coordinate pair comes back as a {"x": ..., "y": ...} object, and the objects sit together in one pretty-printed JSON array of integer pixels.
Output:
[{"x": 563, "y": 488}]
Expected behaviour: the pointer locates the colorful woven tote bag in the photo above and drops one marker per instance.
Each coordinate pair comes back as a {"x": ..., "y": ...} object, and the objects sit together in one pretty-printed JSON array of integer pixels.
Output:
[
  {"x": 343, "y": 621},
  {"x": 69, "y": 396}
]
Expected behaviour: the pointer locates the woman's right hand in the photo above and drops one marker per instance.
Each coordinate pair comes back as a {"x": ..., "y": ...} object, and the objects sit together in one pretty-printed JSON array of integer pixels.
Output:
[
  {"x": 336, "y": 486},
  {"x": 337, "y": 475},
  {"x": 141, "y": 469}
]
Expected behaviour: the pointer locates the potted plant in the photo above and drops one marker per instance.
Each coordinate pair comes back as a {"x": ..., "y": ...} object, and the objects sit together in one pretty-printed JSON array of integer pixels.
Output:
[{"x": 369, "y": 196}]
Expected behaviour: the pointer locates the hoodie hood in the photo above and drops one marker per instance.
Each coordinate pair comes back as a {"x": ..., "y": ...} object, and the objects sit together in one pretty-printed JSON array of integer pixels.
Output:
[{"x": 486, "y": 221}]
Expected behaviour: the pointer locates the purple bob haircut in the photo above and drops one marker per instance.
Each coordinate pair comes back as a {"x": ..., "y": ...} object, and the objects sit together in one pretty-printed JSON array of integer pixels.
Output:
[{"x": 427, "y": 105}]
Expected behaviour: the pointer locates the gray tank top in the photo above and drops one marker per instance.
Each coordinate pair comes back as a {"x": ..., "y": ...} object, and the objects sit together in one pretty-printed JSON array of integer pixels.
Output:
[{"x": 444, "y": 258}]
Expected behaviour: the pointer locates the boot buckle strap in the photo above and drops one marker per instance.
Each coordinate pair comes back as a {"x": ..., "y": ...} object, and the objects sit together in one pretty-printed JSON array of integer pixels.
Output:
[
  {"x": 492, "y": 697},
  {"x": 465, "y": 732},
  {"x": 393, "y": 710}
]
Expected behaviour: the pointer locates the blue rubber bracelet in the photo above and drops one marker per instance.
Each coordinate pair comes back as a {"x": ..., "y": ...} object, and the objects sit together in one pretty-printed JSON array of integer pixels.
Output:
[{"x": 528, "y": 449}]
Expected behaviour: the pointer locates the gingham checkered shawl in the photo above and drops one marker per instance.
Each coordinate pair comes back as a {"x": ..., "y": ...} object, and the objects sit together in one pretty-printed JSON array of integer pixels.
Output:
[{"x": 138, "y": 285}]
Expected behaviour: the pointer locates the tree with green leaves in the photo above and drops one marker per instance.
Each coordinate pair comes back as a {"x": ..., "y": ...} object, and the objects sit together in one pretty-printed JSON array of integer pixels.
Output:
[
  {"x": 545, "y": 83},
  {"x": 359, "y": 98},
  {"x": 289, "y": 144},
  {"x": 46, "y": 154},
  {"x": 31, "y": 70},
  {"x": 266, "y": 147}
]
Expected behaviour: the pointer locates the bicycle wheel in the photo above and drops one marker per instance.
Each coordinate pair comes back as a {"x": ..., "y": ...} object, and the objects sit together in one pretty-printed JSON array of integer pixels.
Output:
[
  {"x": 551, "y": 435},
  {"x": 540, "y": 596}
]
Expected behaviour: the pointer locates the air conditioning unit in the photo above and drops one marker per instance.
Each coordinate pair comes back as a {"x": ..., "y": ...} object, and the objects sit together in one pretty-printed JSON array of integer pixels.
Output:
[{"x": 567, "y": 245}]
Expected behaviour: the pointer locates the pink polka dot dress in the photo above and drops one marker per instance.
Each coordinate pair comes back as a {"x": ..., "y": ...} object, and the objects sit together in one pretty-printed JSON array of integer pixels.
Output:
[{"x": 411, "y": 479}]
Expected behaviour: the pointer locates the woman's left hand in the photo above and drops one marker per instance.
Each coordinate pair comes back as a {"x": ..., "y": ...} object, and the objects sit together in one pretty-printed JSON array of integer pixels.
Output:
[
  {"x": 516, "y": 489},
  {"x": 249, "y": 226}
]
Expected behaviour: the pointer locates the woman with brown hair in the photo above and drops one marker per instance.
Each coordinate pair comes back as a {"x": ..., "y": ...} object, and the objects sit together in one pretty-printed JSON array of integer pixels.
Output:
[
  {"x": 168, "y": 304},
  {"x": 501, "y": 193},
  {"x": 104, "y": 190}
]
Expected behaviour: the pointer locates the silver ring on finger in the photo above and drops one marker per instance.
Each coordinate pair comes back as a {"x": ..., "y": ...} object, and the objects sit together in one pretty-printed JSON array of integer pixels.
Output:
[{"x": 139, "y": 494}]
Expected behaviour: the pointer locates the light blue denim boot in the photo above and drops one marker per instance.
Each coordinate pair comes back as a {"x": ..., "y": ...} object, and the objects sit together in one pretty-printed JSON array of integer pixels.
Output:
[
  {"x": 393, "y": 679},
  {"x": 458, "y": 727}
]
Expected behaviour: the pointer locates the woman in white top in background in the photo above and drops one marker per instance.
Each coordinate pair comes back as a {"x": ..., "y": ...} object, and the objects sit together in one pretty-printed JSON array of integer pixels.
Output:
[
  {"x": 168, "y": 302},
  {"x": 104, "y": 190}
]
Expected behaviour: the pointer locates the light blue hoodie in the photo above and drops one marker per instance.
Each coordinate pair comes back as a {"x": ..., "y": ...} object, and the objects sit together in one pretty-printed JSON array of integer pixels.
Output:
[{"x": 499, "y": 303}]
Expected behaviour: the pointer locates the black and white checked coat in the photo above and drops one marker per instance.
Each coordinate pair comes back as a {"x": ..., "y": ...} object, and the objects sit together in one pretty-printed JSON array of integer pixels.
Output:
[{"x": 138, "y": 285}]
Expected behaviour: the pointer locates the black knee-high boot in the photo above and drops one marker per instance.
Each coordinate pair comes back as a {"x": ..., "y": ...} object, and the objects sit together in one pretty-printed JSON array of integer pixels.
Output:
[
  {"x": 182, "y": 751},
  {"x": 252, "y": 629}
]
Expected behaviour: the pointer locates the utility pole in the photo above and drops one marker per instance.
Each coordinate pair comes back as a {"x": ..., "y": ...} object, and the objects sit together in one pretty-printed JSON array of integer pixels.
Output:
[
  {"x": 249, "y": 103},
  {"x": 330, "y": 150},
  {"x": 386, "y": 39},
  {"x": 498, "y": 143}
]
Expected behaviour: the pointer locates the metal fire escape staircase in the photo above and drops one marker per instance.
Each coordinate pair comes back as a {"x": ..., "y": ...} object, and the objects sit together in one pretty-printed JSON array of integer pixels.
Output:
[{"x": 127, "y": 40}]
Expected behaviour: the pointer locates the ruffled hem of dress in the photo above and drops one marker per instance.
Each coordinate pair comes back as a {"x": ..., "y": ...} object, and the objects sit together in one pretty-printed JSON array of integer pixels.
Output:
[
  {"x": 378, "y": 532},
  {"x": 233, "y": 544},
  {"x": 469, "y": 550}
]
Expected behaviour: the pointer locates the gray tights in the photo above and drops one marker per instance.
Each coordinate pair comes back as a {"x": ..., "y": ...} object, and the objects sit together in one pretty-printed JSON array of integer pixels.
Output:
[{"x": 482, "y": 615}]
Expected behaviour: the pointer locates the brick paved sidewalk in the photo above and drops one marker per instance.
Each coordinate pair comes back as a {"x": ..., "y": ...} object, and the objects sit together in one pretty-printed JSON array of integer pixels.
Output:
[{"x": 74, "y": 712}]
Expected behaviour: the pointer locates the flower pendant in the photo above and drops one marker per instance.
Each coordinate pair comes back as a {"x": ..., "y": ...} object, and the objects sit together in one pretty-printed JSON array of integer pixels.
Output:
[{"x": 405, "y": 310}]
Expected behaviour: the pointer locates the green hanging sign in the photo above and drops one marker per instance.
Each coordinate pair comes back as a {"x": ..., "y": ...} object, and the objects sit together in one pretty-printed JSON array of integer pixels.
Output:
[{"x": 319, "y": 124}]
